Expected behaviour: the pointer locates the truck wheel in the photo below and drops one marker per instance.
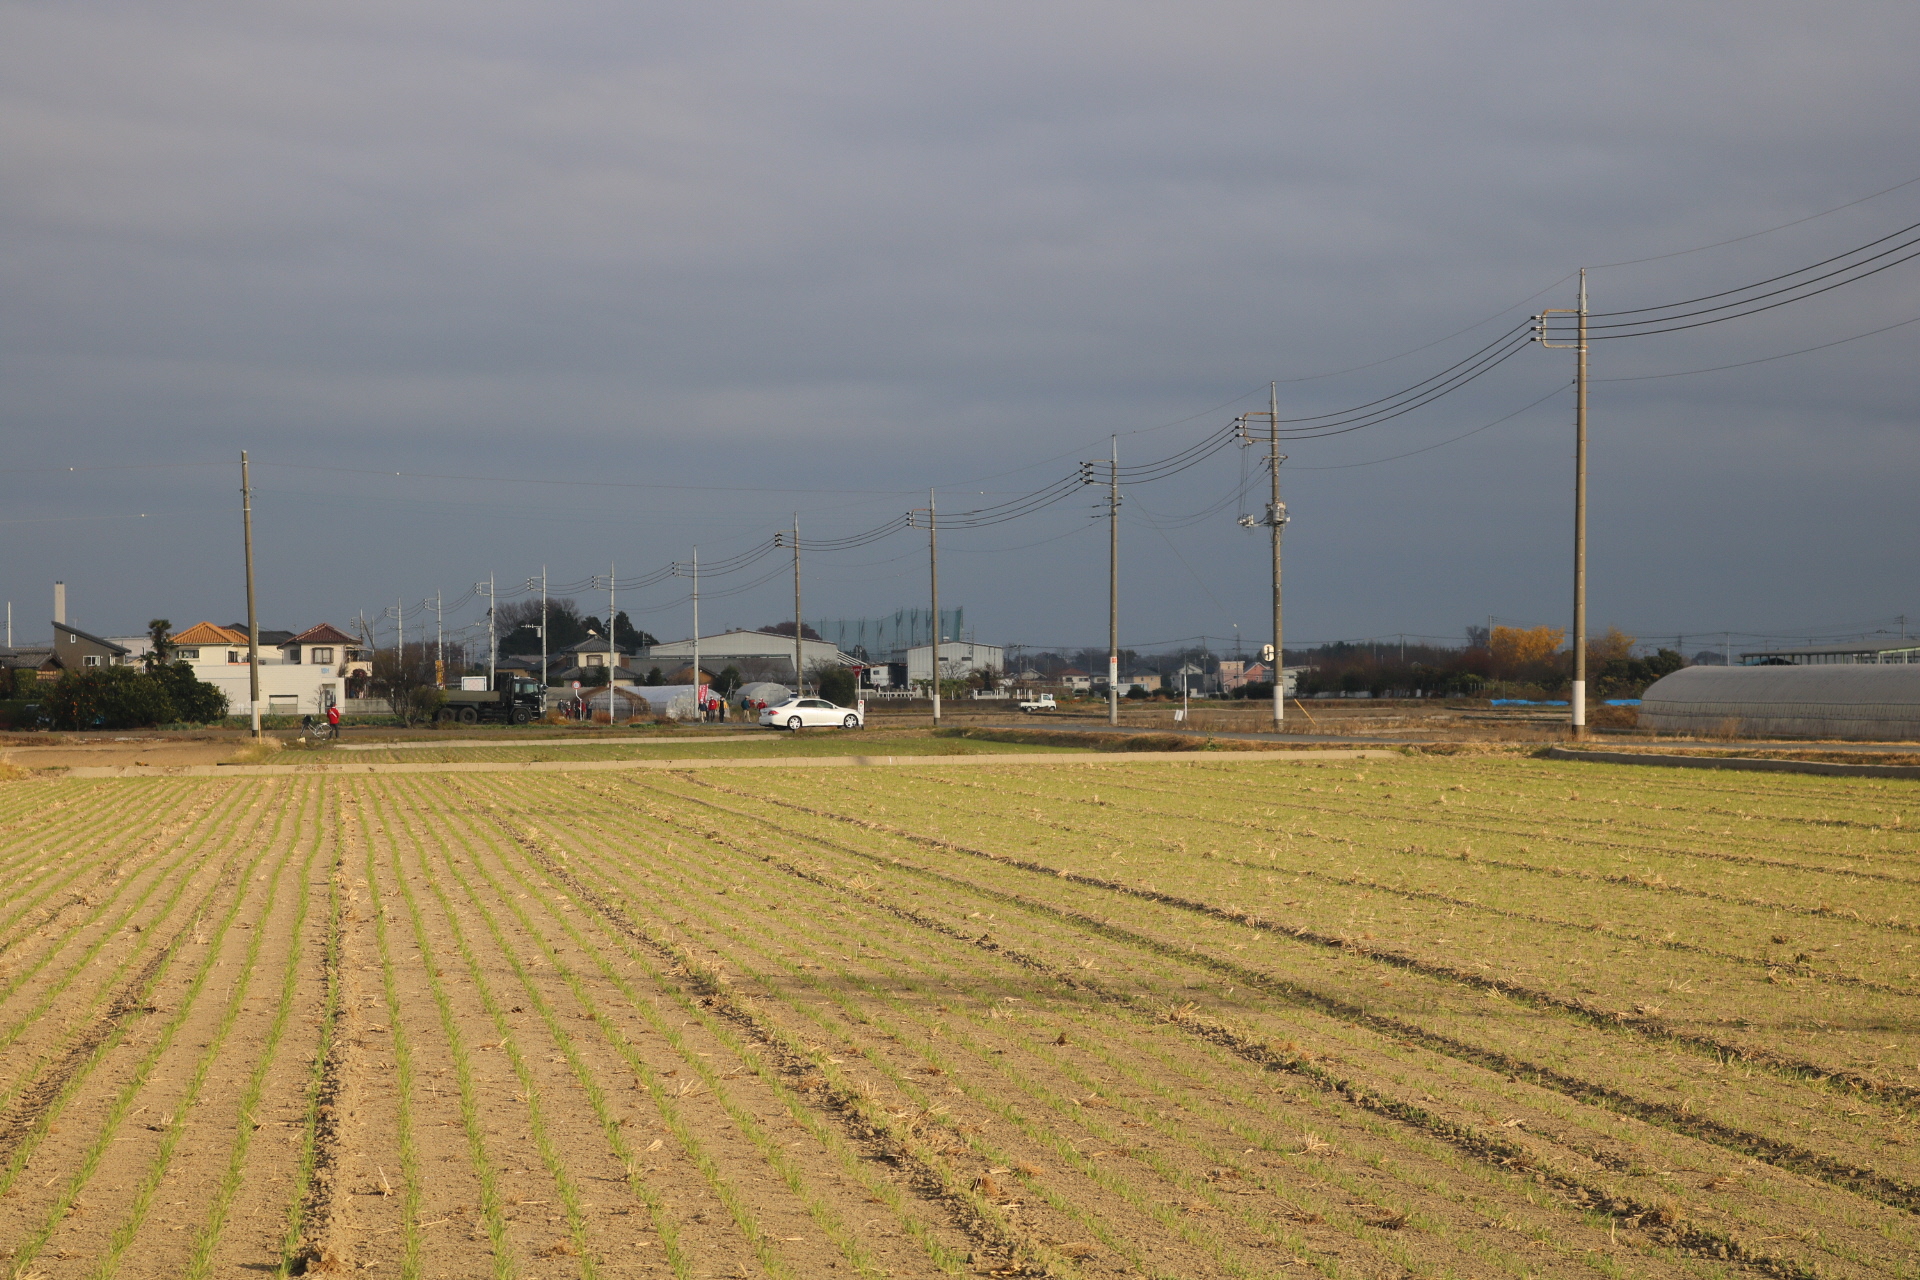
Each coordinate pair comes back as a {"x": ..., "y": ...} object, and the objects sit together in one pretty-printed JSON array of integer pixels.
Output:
[
  {"x": 469, "y": 715},
  {"x": 521, "y": 715},
  {"x": 445, "y": 715}
]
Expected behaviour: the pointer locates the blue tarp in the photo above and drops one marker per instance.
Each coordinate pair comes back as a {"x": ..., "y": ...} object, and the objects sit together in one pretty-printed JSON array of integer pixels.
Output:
[{"x": 1527, "y": 702}]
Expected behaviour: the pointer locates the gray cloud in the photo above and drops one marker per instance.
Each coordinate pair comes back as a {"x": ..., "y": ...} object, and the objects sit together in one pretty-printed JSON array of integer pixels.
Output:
[{"x": 868, "y": 248}]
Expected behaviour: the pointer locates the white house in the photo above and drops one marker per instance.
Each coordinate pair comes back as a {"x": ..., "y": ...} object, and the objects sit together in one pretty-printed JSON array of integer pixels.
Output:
[{"x": 298, "y": 677}]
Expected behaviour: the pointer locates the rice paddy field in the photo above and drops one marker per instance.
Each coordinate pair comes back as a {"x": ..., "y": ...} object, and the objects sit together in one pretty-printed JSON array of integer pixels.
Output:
[{"x": 1436, "y": 1017}]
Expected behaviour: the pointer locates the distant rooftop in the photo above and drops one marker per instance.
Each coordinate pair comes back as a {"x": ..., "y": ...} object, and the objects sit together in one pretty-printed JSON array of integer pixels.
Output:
[{"x": 1818, "y": 655}]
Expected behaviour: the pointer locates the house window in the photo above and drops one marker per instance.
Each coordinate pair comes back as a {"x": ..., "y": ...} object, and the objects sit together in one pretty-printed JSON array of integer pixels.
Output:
[
  {"x": 321, "y": 656},
  {"x": 234, "y": 655},
  {"x": 187, "y": 655},
  {"x": 596, "y": 660},
  {"x": 91, "y": 660}
]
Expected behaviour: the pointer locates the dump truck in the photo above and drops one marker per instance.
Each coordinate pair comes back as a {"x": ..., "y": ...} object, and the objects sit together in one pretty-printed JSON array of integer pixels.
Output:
[{"x": 512, "y": 700}]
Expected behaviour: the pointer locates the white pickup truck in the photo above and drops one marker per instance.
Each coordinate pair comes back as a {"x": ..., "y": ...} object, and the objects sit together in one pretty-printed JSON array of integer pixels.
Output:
[{"x": 1043, "y": 702}]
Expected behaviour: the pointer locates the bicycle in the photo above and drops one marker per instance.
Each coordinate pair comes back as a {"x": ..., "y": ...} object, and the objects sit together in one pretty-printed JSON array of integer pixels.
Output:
[{"x": 320, "y": 730}]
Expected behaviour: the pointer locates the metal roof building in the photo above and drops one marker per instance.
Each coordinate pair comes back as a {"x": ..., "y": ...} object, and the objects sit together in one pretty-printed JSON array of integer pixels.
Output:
[
  {"x": 1827, "y": 655},
  {"x": 1864, "y": 701}
]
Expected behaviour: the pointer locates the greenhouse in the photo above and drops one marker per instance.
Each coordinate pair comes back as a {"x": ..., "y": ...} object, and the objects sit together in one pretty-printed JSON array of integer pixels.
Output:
[{"x": 1866, "y": 701}]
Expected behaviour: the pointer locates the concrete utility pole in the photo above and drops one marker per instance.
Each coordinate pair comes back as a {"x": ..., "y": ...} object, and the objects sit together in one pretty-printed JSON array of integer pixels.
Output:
[
  {"x": 400, "y": 643},
  {"x": 1113, "y": 585},
  {"x": 610, "y": 646},
  {"x": 1579, "y": 345},
  {"x": 696, "y": 627},
  {"x": 439, "y": 639},
  {"x": 1275, "y": 520},
  {"x": 799, "y": 628},
  {"x": 933, "y": 577},
  {"x": 253, "y": 619},
  {"x": 543, "y": 632}
]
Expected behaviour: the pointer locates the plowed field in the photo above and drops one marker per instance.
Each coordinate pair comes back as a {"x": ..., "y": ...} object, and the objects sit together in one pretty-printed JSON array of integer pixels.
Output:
[{"x": 1473, "y": 1018}]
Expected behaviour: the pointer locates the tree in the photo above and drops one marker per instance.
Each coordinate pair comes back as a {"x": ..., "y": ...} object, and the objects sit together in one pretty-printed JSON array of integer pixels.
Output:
[
  {"x": 162, "y": 652},
  {"x": 786, "y": 629},
  {"x": 1515, "y": 651},
  {"x": 836, "y": 685},
  {"x": 654, "y": 677},
  {"x": 727, "y": 681},
  {"x": 398, "y": 676},
  {"x": 1616, "y": 644},
  {"x": 194, "y": 700}
]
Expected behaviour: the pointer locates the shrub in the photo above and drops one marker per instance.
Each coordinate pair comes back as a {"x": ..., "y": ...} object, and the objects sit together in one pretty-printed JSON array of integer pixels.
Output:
[
  {"x": 108, "y": 698},
  {"x": 836, "y": 685},
  {"x": 194, "y": 700}
]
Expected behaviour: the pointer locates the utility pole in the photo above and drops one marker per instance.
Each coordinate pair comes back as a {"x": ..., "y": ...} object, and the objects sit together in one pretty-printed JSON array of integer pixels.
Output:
[
  {"x": 1579, "y": 345},
  {"x": 439, "y": 639},
  {"x": 696, "y": 627},
  {"x": 1275, "y": 520},
  {"x": 253, "y": 618},
  {"x": 400, "y": 641},
  {"x": 799, "y": 685},
  {"x": 610, "y": 646},
  {"x": 492, "y": 630},
  {"x": 1113, "y": 575},
  {"x": 933, "y": 577},
  {"x": 543, "y": 631},
  {"x": 1113, "y": 585}
]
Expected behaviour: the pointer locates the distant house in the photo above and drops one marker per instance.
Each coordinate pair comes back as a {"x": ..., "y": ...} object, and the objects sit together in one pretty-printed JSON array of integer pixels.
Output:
[
  {"x": 209, "y": 644},
  {"x": 76, "y": 650},
  {"x": 589, "y": 657},
  {"x": 1076, "y": 679},
  {"x": 327, "y": 647},
  {"x": 300, "y": 674},
  {"x": 26, "y": 664}
]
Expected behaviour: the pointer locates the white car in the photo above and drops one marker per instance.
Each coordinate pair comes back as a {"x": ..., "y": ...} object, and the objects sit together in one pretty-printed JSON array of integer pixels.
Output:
[{"x": 811, "y": 713}]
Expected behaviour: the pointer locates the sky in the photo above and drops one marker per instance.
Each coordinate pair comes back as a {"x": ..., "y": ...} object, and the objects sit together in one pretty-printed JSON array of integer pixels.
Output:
[{"x": 484, "y": 288}]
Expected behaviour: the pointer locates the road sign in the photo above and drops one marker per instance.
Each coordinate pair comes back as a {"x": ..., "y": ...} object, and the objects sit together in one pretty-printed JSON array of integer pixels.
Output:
[{"x": 1266, "y": 653}]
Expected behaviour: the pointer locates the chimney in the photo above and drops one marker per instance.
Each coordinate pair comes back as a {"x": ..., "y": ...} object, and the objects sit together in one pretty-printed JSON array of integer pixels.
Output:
[{"x": 60, "y": 602}]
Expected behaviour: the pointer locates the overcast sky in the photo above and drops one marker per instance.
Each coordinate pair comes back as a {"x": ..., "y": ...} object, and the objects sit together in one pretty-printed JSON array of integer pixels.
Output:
[{"x": 648, "y": 276}]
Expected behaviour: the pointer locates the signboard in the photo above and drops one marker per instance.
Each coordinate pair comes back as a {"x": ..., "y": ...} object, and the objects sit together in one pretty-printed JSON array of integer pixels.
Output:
[{"x": 576, "y": 684}]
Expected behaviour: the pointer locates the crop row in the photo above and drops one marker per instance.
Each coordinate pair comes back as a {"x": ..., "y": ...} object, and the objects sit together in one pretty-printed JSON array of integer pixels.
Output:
[
  {"x": 1517, "y": 927},
  {"x": 1755, "y": 1102},
  {"x": 625, "y": 845}
]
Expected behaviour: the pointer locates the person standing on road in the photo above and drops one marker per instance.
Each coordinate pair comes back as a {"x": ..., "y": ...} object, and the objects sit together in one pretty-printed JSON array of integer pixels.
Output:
[{"x": 333, "y": 718}]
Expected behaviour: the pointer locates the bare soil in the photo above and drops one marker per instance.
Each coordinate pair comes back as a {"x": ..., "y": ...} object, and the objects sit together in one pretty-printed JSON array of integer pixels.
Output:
[{"x": 1479, "y": 1015}]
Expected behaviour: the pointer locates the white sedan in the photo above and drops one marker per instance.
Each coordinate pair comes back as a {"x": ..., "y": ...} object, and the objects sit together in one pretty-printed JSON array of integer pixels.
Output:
[{"x": 811, "y": 713}]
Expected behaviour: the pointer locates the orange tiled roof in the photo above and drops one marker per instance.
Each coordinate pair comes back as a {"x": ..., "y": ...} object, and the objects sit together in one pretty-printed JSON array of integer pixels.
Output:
[{"x": 209, "y": 633}]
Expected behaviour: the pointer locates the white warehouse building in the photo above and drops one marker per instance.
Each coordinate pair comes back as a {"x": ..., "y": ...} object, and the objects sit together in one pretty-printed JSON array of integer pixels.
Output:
[{"x": 958, "y": 660}]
